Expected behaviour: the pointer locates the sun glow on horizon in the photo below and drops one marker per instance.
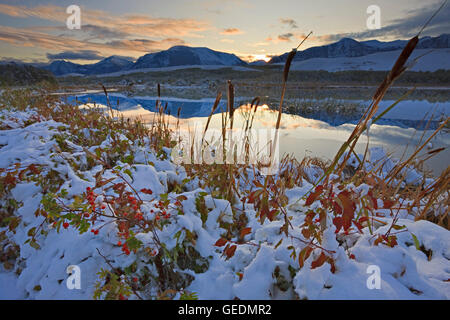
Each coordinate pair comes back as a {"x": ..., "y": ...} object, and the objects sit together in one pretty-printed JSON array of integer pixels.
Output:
[{"x": 261, "y": 57}]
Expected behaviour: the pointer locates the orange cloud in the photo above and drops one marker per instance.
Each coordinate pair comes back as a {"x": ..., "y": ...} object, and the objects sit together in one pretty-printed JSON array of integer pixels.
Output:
[
  {"x": 130, "y": 25},
  {"x": 30, "y": 38},
  {"x": 231, "y": 31}
]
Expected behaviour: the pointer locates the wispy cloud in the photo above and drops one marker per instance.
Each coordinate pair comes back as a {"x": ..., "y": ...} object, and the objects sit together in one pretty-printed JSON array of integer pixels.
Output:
[
  {"x": 100, "y": 32},
  {"x": 30, "y": 38},
  {"x": 231, "y": 31},
  {"x": 285, "y": 36},
  {"x": 101, "y": 23},
  {"x": 405, "y": 27},
  {"x": 289, "y": 22}
]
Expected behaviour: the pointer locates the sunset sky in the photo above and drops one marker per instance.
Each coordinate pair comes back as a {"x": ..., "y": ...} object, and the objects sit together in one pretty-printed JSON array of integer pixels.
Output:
[{"x": 35, "y": 31}]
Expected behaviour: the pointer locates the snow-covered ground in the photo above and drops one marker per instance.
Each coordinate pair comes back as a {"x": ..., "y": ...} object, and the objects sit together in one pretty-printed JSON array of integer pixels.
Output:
[
  {"x": 165, "y": 69},
  {"x": 261, "y": 268},
  {"x": 431, "y": 61}
]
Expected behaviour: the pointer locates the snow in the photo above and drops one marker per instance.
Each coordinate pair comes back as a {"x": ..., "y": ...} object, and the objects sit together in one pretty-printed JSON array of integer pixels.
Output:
[
  {"x": 406, "y": 273},
  {"x": 433, "y": 60},
  {"x": 257, "y": 276},
  {"x": 173, "y": 68}
]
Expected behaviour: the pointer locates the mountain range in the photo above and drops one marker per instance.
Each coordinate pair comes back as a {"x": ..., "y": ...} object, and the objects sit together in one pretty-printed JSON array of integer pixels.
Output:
[
  {"x": 175, "y": 56},
  {"x": 348, "y": 47},
  {"x": 200, "y": 56}
]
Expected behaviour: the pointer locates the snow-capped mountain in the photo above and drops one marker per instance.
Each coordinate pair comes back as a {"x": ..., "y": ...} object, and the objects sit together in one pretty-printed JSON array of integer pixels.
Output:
[
  {"x": 110, "y": 64},
  {"x": 60, "y": 67},
  {"x": 443, "y": 41},
  {"x": 428, "y": 60},
  {"x": 347, "y": 47},
  {"x": 175, "y": 56},
  {"x": 183, "y": 55}
]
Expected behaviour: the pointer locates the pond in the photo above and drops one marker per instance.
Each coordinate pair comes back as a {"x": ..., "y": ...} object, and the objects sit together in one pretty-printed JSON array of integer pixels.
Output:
[{"x": 396, "y": 133}]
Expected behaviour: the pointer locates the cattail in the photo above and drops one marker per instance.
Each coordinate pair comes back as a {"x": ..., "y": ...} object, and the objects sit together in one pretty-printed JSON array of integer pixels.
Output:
[
  {"x": 178, "y": 116},
  {"x": 216, "y": 104},
  {"x": 288, "y": 63},
  {"x": 107, "y": 100},
  {"x": 255, "y": 102},
  {"x": 398, "y": 68},
  {"x": 231, "y": 102},
  {"x": 287, "y": 67}
]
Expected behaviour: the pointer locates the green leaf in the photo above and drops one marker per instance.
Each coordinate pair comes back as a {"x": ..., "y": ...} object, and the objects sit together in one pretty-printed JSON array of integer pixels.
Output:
[
  {"x": 416, "y": 241},
  {"x": 134, "y": 243},
  {"x": 31, "y": 232},
  {"x": 34, "y": 245},
  {"x": 63, "y": 193},
  {"x": 128, "y": 172}
]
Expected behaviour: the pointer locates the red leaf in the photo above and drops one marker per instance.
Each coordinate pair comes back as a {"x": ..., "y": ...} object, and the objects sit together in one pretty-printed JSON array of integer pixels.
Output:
[
  {"x": 245, "y": 231},
  {"x": 392, "y": 241},
  {"x": 333, "y": 266},
  {"x": 337, "y": 209},
  {"x": 319, "y": 261},
  {"x": 265, "y": 212},
  {"x": 221, "y": 242},
  {"x": 338, "y": 222},
  {"x": 387, "y": 204},
  {"x": 146, "y": 191},
  {"x": 358, "y": 225},
  {"x": 304, "y": 255},
  {"x": 229, "y": 252},
  {"x": 306, "y": 233},
  {"x": 348, "y": 209},
  {"x": 373, "y": 200},
  {"x": 378, "y": 240},
  {"x": 362, "y": 219},
  {"x": 253, "y": 195},
  {"x": 271, "y": 214},
  {"x": 258, "y": 184},
  {"x": 313, "y": 196}
]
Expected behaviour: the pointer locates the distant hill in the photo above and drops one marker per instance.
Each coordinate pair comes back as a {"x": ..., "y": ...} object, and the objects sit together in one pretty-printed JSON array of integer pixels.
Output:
[
  {"x": 348, "y": 47},
  {"x": 14, "y": 74},
  {"x": 183, "y": 55},
  {"x": 110, "y": 64},
  {"x": 258, "y": 63},
  {"x": 107, "y": 65}
]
